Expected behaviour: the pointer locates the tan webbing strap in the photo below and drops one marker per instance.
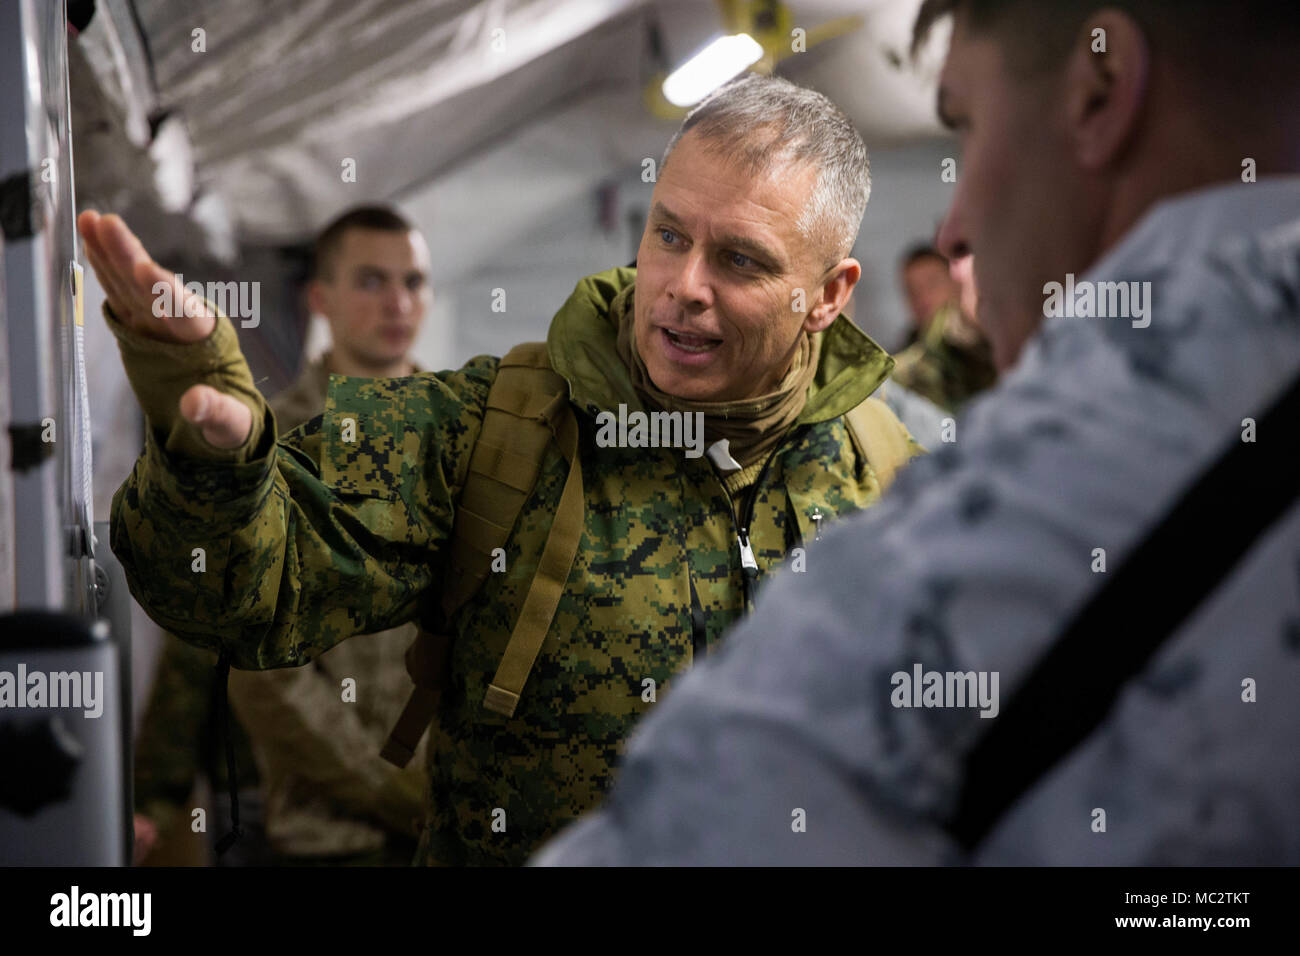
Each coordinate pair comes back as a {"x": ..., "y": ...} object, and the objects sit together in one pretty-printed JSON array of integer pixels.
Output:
[
  {"x": 547, "y": 585},
  {"x": 524, "y": 406},
  {"x": 405, "y": 736},
  {"x": 503, "y": 467},
  {"x": 426, "y": 661},
  {"x": 880, "y": 437}
]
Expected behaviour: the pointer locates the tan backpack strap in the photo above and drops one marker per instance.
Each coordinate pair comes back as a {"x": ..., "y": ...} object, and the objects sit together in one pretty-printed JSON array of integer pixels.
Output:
[
  {"x": 427, "y": 660},
  {"x": 548, "y": 583},
  {"x": 503, "y": 467},
  {"x": 525, "y": 404},
  {"x": 416, "y": 716},
  {"x": 880, "y": 438}
]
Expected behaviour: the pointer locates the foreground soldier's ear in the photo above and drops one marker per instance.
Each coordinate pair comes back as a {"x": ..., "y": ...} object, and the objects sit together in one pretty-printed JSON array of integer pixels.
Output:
[{"x": 1108, "y": 73}]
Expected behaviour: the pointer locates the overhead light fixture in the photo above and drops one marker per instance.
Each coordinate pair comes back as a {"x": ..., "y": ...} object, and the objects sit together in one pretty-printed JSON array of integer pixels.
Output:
[{"x": 703, "y": 73}]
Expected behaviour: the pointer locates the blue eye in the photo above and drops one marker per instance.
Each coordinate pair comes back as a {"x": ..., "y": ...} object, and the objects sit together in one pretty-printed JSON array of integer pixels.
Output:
[
  {"x": 740, "y": 261},
  {"x": 667, "y": 235}
]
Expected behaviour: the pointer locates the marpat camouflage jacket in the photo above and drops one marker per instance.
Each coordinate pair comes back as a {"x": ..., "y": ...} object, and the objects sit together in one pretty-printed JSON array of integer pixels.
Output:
[{"x": 314, "y": 539}]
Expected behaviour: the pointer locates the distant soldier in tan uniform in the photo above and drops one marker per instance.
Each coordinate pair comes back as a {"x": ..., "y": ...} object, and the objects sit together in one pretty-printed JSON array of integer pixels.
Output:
[{"x": 329, "y": 797}]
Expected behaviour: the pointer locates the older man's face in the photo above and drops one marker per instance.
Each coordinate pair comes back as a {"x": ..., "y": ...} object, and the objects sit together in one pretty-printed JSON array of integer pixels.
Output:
[{"x": 717, "y": 318}]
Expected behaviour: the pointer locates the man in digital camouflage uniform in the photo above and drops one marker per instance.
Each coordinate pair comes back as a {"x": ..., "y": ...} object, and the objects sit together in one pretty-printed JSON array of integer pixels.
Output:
[{"x": 733, "y": 311}]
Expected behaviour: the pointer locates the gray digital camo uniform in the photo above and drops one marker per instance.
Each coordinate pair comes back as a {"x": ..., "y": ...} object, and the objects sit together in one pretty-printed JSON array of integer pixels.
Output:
[{"x": 976, "y": 560}]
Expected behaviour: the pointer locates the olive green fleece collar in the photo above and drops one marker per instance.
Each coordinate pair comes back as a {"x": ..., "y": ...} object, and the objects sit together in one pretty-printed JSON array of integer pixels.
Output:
[{"x": 582, "y": 347}]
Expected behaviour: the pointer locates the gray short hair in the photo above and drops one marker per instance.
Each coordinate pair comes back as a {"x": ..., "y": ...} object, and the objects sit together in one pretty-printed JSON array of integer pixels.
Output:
[{"x": 763, "y": 121}]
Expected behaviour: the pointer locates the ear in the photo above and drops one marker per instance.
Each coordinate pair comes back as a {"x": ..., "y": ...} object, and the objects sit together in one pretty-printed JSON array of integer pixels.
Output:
[
  {"x": 1107, "y": 78},
  {"x": 318, "y": 297},
  {"x": 836, "y": 290}
]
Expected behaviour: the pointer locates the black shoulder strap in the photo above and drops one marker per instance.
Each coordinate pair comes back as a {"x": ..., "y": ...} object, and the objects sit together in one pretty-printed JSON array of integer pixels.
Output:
[{"x": 1112, "y": 639}]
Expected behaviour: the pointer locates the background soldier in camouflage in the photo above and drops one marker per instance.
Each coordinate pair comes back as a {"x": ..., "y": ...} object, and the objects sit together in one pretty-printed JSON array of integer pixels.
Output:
[
  {"x": 928, "y": 286},
  {"x": 951, "y": 361},
  {"x": 328, "y": 796},
  {"x": 341, "y": 528},
  {"x": 323, "y": 794}
]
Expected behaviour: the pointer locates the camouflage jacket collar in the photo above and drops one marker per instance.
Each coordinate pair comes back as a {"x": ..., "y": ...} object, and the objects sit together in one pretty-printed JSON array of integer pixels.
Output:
[{"x": 581, "y": 345}]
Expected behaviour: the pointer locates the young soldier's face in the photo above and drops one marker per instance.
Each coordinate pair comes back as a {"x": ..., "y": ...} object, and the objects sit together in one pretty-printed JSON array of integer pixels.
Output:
[
  {"x": 376, "y": 295},
  {"x": 726, "y": 284},
  {"x": 928, "y": 288}
]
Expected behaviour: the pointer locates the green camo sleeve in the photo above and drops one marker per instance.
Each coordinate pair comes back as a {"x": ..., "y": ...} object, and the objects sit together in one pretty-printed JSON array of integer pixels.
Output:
[
  {"x": 335, "y": 530},
  {"x": 160, "y": 372}
]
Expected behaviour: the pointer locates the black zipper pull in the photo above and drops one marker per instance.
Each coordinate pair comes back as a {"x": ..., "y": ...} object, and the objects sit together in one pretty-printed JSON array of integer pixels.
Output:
[
  {"x": 699, "y": 628},
  {"x": 748, "y": 567}
]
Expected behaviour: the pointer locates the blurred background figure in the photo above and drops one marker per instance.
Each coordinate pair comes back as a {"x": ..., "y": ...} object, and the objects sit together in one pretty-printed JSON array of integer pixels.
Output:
[
  {"x": 317, "y": 730},
  {"x": 950, "y": 361},
  {"x": 313, "y": 788},
  {"x": 928, "y": 287}
]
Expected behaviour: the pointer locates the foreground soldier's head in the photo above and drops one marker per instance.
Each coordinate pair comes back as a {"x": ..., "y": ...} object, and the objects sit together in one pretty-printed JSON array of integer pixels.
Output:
[
  {"x": 756, "y": 207},
  {"x": 1076, "y": 116}
]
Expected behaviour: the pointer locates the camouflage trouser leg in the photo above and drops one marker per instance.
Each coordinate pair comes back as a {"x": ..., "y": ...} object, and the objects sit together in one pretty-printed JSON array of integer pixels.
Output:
[
  {"x": 426, "y": 853},
  {"x": 396, "y": 852}
]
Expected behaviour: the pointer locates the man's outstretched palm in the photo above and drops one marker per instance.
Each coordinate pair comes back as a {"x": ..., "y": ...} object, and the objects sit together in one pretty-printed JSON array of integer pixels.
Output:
[{"x": 128, "y": 275}]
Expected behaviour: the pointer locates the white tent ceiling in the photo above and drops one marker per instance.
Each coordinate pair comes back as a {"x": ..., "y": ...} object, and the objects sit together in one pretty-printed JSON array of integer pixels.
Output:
[{"x": 527, "y": 100}]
